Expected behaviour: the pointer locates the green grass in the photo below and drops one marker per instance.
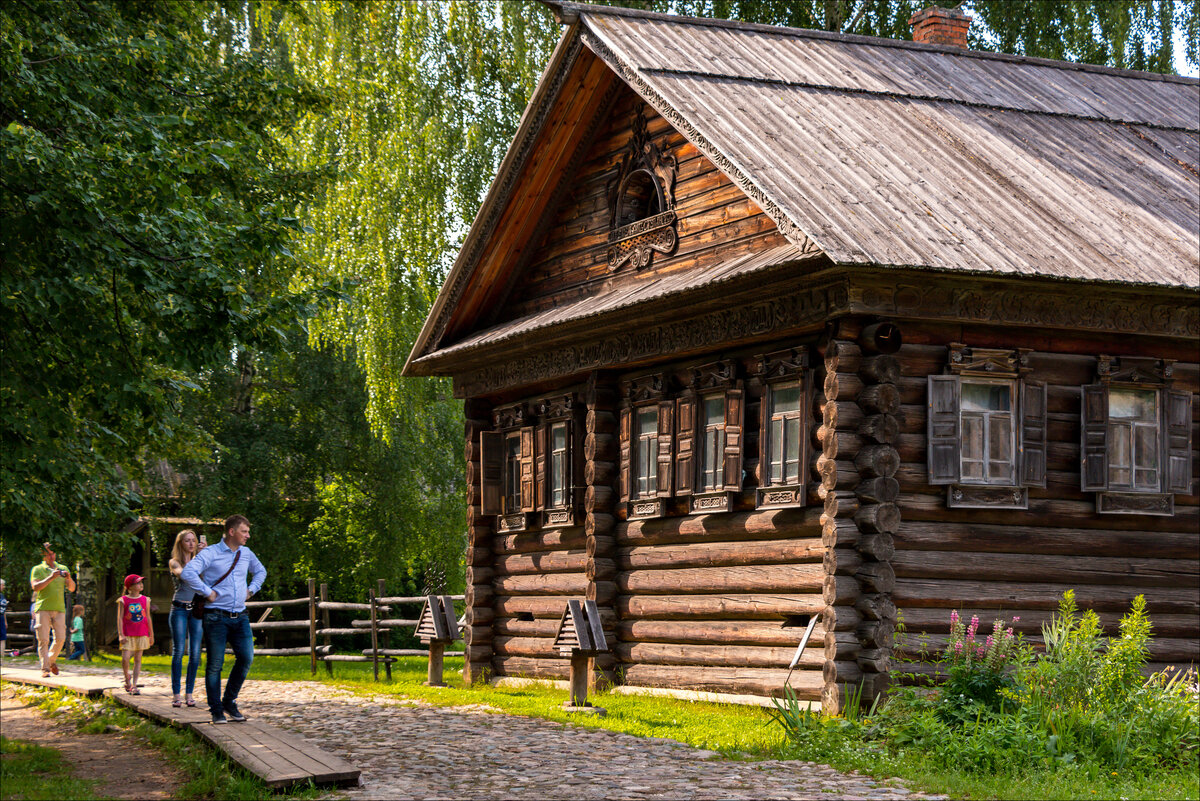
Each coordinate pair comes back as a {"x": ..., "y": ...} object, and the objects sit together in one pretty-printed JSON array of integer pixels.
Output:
[
  {"x": 206, "y": 773},
  {"x": 31, "y": 772}
]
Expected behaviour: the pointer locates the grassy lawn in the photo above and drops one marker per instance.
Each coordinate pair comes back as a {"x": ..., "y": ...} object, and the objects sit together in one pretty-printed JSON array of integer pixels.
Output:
[{"x": 30, "y": 772}]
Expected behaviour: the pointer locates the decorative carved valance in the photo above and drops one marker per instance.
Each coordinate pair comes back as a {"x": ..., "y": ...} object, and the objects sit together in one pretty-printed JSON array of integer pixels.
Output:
[
  {"x": 642, "y": 218},
  {"x": 718, "y": 375},
  {"x": 556, "y": 407},
  {"x": 999, "y": 362},
  {"x": 644, "y": 388},
  {"x": 506, "y": 417},
  {"x": 781, "y": 364},
  {"x": 1131, "y": 370}
]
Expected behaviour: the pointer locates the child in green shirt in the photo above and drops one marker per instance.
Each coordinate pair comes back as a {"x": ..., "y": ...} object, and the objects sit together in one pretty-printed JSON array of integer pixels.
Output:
[{"x": 77, "y": 651}]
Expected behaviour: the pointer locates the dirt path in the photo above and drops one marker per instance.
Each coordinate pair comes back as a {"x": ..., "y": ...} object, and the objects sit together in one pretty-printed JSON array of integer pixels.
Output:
[{"x": 125, "y": 768}]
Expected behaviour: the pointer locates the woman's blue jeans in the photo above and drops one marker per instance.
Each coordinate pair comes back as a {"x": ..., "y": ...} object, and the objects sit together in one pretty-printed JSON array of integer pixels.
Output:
[{"x": 189, "y": 630}]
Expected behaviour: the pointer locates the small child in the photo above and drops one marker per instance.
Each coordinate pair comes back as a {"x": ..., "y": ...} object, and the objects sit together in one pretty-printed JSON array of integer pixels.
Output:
[
  {"x": 77, "y": 650},
  {"x": 133, "y": 630}
]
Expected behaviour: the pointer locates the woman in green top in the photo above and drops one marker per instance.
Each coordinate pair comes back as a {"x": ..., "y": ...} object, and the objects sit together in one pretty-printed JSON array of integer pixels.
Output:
[{"x": 77, "y": 651}]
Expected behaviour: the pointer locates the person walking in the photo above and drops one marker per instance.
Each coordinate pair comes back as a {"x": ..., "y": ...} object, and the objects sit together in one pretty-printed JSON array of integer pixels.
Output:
[
  {"x": 219, "y": 573},
  {"x": 77, "y": 649},
  {"x": 134, "y": 632},
  {"x": 50, "y": 607},
  {"x": 187, "y": 632},
  {"x": 3, "y": 620}
]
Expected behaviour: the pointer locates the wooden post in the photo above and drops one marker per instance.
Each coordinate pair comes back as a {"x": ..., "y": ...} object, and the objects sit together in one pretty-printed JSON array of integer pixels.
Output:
[
  {"x": 312, "y": 623},
  {"x": 436, "y": 650},
  {"x": 381, "y": 592},
  {"x": 325, "y": 625},
  {"x": 579, "y": 678},
  {"x": 374, "y": 634}
]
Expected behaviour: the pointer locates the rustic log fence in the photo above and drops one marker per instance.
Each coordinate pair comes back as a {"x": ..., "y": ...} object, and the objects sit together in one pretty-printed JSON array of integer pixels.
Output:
[
  {"x": 12, "y": 637},
  {"x": 320, "y": 629}
]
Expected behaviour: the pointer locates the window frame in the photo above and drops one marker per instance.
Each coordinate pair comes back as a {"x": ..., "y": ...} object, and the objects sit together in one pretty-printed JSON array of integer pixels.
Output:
[
  {"x": 775, "y": 371},
  {"x": 639, "y": 394}
]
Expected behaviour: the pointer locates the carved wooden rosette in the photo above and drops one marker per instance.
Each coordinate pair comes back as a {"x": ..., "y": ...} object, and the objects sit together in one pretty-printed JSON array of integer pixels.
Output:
[
  {"x": 477, "y": 633},
  {"x": 857, "y": 466},
  {"x": 600, "y": 499}
]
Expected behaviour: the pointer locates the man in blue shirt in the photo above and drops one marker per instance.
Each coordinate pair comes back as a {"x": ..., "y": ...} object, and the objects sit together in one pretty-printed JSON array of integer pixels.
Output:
[{"x": 225, "y": 618}]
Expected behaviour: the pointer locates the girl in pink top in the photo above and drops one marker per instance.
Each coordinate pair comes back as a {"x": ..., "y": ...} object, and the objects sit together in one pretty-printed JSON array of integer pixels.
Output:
[{"x": 133, "y": 629}]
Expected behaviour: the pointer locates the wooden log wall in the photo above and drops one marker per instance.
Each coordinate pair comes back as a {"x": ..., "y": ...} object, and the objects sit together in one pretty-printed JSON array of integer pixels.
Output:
[
  {"x": 477, "y": 634},
  {"x": 1001, "y": 562},
  {"x": 857, "y": 466},
  {"x": 717, "y": 222},
  {"x": 600, "y": 473}
]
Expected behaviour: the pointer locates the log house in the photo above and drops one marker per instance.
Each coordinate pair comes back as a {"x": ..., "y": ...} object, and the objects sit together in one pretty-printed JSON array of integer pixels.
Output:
[{"x": 759, "y": 324}]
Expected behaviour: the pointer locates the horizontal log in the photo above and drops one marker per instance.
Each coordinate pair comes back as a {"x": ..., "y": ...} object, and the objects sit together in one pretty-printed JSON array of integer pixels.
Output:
[
  {"x": 837, "y": 475},
  {"x": 478, "y": 556},
  {"x": 876, "y": 577},
  {"x": 286, "y": 602},
  {"x": 878, "y": 518},
  {"x": 878, "y": 490},
  {"x": 806, "y": 684},
  {"x": 352, "y": 658},
  {"x": 716, "y": 655},
  {"x": 875, "y": 606},
  {"x": 598, "y": 498},
  {"x": 600, "y": 422},
  {"x": 560, "y": 539},
  {"x": 756, "y": 606},
  {"x": 478, "y": 653},
  {"x": 480, "y": 574},
  {"x": 716, "y": 632},
  {"x": 840, "y": 533},
  {"x": 843, "y": 561},
  {"x": 837, "y": 444},
  {"x": 304, "y": 651},
  {"x": 599, "y": 472},
  {"x": 840, "y": 646},
  {"x": 334, "y": 606},
  {"x": 840, "y": 590},
  {"x": 602, "y": 592},
  {"x": 842, "y": 356},
  {"x": 1074, "y": 514},
  {"x": 572, "y": 561},
  {"x": 883, "y": 428},
  {"x": 410, "y": 652},
  {"x": 840, "y": 504},
  {"x": 766, "y": 524},
  {"x": 541, "y": 647},
  {"x": 479, "y": 594},
  {"x": 720, "y": 554},
  {"x": 340, "y": 632},
  {"x": 600, "y": 447},
  {"x": 549, "y": 606},
  {"x": 600, "y": 569},
  {"x": 880, "y": 369},
  {"x": 842, "y": 386},
  {"x": 874, "y": 660},
  {"x": 840, "y": 618},
  {"x": 538, "y": 627},
  {"x": 478, "y": 635},
  {"x": 841, "y": 415},
  {"x": 544, "y": 584},
  {"x": 528, "y": 667},
  {"x": 879, "y": 399},
  {"x": 755, "y": 578},
  {"x": 846, "y": 672},
  {"x": 1011, "y": 595},
  {"x": 879, "y": 547},
  {"x": 877, "y": 633},
  {"x": 969, "y": 536},
  {"x": 281, "y": 624},
  {"x": 479, "y": 615},
  {"x": 877, "y": 461},
  {"x": 394, "y": 623},
  {"x": 598, "y": 524},
  {"x": 1069, "y": 570},
  {"x": 600, "y": 545}
]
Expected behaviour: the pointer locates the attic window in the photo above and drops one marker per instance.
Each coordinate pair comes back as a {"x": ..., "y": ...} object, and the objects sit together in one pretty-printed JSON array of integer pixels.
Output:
[{"x": 641, "y": 202}]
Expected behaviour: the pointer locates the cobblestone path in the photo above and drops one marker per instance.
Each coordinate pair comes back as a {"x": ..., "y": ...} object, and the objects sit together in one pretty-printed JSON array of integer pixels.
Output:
[{"x": 410, "y": 750}]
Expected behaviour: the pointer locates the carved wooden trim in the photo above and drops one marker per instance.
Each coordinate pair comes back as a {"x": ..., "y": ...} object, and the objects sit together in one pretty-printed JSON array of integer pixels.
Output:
[
  {"x": 704, "y": 503},
  {"x": 787, "y": 310},
  {"x": 786, "y": 226},
  {"x": 507, "y": 417},
  {"x": 1134, "y": 370},
  {"x": 637, "y": 241},
  {"x": 557, "y": 407},
  {"x": 996, "y": 362},
  {"x": 1135, "y": 503},
  {"x": 781, "y": 365},
  {"x": 779, "y": 497},
  {"x": 967, "y": 496},
  {"x": 717, "y": 375},
  {"x": 514, "y": 522},
  {"x": 644, "y": 508},
  {"x": 643, "y": 389},
  {"x": 1023, "y": 304}
]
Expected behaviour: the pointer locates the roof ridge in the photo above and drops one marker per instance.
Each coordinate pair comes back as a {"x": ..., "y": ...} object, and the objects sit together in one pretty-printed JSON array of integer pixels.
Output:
[{"x": 568, "y": 11}]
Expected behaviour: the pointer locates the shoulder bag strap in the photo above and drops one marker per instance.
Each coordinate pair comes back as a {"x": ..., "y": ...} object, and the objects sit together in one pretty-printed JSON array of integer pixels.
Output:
[{"x": 236, "y": 557}]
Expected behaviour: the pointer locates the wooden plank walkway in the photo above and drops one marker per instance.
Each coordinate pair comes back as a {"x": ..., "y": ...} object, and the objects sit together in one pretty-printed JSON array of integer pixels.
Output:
[
  {"x": 278, "y": 758},
  {"x": 89, "y": 686}
]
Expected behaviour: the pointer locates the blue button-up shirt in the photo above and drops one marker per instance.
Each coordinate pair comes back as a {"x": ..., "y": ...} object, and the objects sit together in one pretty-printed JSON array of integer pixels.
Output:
[{"x": 212, "y": 563}]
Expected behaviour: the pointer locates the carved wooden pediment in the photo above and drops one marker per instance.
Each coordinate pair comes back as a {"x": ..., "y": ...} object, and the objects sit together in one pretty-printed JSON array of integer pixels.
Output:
[
  {"x": 782, "y": 364},
  {"x": 1128, "y": 370},
  {"x": 510, "y": 416},
  {"x": 556, "y": 407},
  {"x": 999, "y": 362},
  {"x": 645, "y": 388},
  {"x": 718, "y": 375},
  {"x": 642, "y": 203}
]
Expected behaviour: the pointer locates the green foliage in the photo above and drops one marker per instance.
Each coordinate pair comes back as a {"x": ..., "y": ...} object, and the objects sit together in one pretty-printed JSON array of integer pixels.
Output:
[
  {"x": 148, "y": 230},
  {"x": 33, "y": 773},
  {"x": 978, "y": 673}
]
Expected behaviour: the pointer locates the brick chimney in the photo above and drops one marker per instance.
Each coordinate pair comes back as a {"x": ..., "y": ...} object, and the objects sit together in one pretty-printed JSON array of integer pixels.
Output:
[{"x": 941, "y": 26}]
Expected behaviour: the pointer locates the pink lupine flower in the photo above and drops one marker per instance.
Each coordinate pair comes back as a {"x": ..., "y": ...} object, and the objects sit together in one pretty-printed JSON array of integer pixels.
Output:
[
  {"x": 989, "y": 641},
  {"x": 1016, "y": 619},
  {"x": 958, "y": 646},
  {"x": 1009, "y": 633},
  {"x": 954, "y": 617}
]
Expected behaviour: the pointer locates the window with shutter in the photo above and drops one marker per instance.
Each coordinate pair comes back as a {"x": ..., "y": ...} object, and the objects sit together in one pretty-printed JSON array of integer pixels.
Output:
[
  {"x": 491, "y": 472},
  {"x": 943, "y": 434},
  {"x": 784, "y": 425},
  {"x": 1033, "y": 433},
  {"x": 685, "y": 434},
  {"x": 665, "y": 471},
  {"x": 647, "y": 437},
  {"x": 541, "y": 459},
  {"x": 712, "y": 443},
  {"x": 512, "y": 472},
  {"x": 734, "y": 440},
  {"x": 626, "y": 445},
  {"x": 645, "y": 454},
  {"x": 558, "y": 470},
  {"x": 1136, "y": 437}
]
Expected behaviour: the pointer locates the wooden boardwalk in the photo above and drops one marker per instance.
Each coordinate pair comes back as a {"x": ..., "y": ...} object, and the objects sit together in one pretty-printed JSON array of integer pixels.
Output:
[{"x": 278, "y": 758}]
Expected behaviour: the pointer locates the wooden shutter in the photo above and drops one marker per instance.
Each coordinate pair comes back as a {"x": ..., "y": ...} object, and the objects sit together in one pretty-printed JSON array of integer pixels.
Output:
[
  {"x": 943, "y": 447},
  {"x": 685, "y": 440},
  {"x": 527, "y": 469},
  {"x": 734, "y": 439},
  {"x": 491, "y": 472},
  {"x": 626, "y": 452},
  {"x": 1179, "y": 441},
  {"x": 1033, "y": 434},
  {"x": 541, "y": 456},
  {"x": 1093, "y": 472},
  {"x": 666, "y": 455}
]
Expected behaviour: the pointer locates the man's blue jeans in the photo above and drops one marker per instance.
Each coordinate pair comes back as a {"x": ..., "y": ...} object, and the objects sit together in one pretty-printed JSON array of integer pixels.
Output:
[
  {"x": 189, "y": 630},
  {"x": 219, "y": 629}
]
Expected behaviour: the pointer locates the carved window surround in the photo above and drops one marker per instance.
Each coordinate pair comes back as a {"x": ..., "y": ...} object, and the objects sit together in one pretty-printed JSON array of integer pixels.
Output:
[
  {"x": 641, "y": 463},
  {"x": 776, "y": 371},
  {"x": 642, "y": 218}
]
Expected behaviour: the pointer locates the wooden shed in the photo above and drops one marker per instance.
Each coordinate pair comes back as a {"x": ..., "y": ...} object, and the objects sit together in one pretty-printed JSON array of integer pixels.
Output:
[{"x": 760, "y": 324}]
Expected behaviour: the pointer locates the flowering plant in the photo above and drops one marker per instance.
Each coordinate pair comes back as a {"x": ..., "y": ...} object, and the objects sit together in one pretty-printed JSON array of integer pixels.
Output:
[{"x": 978, "y": 668}]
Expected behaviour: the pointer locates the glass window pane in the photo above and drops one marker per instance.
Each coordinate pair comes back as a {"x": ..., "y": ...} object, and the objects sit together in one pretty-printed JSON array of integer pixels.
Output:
[
  {"x": 1119, "y": 455},
  {"x": 647, "y": 422},
  {"x": 1000, "y": 438},
  {"x": 792, "y": 442},
  {"x": 714, "y": 411},
  {"x": 972, "y": 437},
  {"x": 986, "y": 397},
  {"x": 1132, "y": 404},
  {"x": 785, "y": 399},
  {"x": 1145, "y": 447},
  {"x": 559, "y": 436},
  {"x": 776, "y": 452}
]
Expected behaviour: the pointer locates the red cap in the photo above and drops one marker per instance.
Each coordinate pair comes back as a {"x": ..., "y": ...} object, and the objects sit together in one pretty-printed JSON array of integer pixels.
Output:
[{"x": 131, "y": 579}]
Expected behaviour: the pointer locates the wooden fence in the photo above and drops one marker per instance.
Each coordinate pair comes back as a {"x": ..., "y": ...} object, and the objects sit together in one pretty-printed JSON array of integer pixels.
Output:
[
  {"x": 16, "y": 639},
  {"x": 320, "y": 629}
]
